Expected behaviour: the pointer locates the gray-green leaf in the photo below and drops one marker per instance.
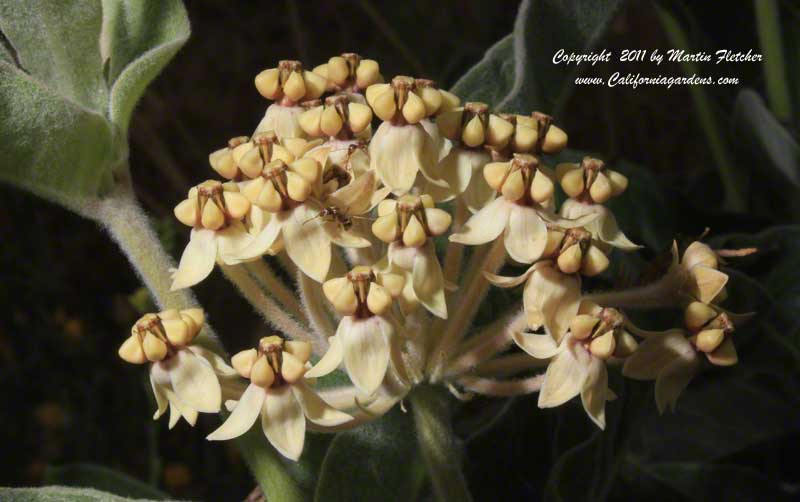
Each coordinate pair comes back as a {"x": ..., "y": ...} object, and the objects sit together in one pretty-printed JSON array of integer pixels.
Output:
[
  {"x": 518, "y": 75},
  {"x": 58, "y": 43},
  {"x": 101, "y": 478},
  {"x": 60, "y": 494},
  {"x": 139, "y": 38},
  {"x": 52, "y": 146}
]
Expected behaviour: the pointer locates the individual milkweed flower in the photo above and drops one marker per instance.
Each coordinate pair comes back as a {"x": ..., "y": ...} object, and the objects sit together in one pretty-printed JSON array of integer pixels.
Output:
[
  {"x": 437, "y": 101},
  {"x": 245, "y": 158},
  {"x": 589, "y": 185},
  {"x": 472, "y": 129},
  {"x": 350, "y": 73},
  {"x": 338, "y": 118},
  {"x": 673, "y": 357},
  {"x": 278, "y": 393},
  {"x": 406, "y": 225},
  {"x": 284, "y": 191},
  {"x": 288, "y": 85},
  {"x": 552, "y": 292},
  {"x": 550, "y": 139},
  {"x": 401, "y": 148},
  {"x": 525, "y": 189},
  {"x": 578, "y": 361},
  {"x": 365, "y": 340},
  {"x": 705, "y": 281},
  {"x": 184, "y": 377},
  {"x": 525, "y": 136},
  {"x": 215, "y": 212}
]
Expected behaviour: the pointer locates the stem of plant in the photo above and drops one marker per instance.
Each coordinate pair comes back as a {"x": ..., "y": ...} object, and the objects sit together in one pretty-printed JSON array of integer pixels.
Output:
[
  {"x": 441, "y": 449},
  {"x": 128, "y": 225}
]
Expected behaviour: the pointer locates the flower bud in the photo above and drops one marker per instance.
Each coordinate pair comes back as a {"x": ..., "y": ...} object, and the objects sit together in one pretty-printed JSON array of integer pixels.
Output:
[
  {"x": 582, "y": 326},
  {"x": 132, "y": 351},
  {"x": 570, "y": 260},
  {"x": 154, "y": 348},
  {"x": 243, "y": 362},
  {"x": 292, "y": 368},
  {"x": 603, "y": 346},
  {"x": 697, "y": 315},
  {"x": 594, "y": 262},
  {"x": 261, "y": 373},
  {"x": 708, "y": 340}
]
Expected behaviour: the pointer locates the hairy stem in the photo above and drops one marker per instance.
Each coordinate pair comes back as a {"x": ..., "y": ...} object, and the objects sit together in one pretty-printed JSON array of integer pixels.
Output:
[
  {"x": 264, "y": 305},
  {"x": 262, "y": 272},
  {"x": 455, "y": 251},
  {"x": 474, "y": 289},
  {"x": 314, "y": 310},
  {"x": 440, "y": 447},
  {"x": 128, "y": 225}
]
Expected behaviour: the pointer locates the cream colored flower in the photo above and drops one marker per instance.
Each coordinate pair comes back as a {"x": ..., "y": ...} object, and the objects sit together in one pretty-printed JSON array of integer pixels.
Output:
[
  {"x": 215, "y": 211},
  {"x": 338, "y": 118},
  {"x": 184, "y": 377},
  {"x": 705, "y": 281},
  {"x": 350, "y": 73},
  {"x": 472, "y": 129},
  {"x": 406, "y": 225},
  {"x": 288, "y": 85},
  {"x": 245, "y": 158},
  {"x": 526, "y": 190},
  {"x": 553, "y": 289},
  {"x": 365, "y": 340},
  {"x": 590, "y": 181},
  {"x": 578, "y": 362},
  {"x": 284, "y": 192},
  {"x": 279, "y": 393},
  {"x": 400, "y": 147},
  {"x": 604, "y": 227},
  {"x": 550, "y": 139}
]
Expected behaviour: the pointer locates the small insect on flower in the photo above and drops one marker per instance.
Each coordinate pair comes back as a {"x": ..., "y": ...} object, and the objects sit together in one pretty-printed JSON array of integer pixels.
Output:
[
  {"x": 280, "y": 394},
  {"x": 216, "y": 212},
  {"x": 578, "y": 361},
  {"x": 407, "y": 224},
  {"x": 184, "y": 377},
  {"x": 365, "y": 340}
]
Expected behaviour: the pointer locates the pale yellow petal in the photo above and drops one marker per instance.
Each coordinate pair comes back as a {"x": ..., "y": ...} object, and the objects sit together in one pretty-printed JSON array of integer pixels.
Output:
[
  {"x": 526, "y": 234},
  {"x": 283, "y": 422},
  {"x": 316, "y": 409},
  {"x": 428, "y": 281},
  {"x": 195, "y": 382},
  {"x": 366, "y": 353},
  {"x": 197, "y": 261},
  {"x": 485, "y": 225},
  {"x": 243, "y": 416}
]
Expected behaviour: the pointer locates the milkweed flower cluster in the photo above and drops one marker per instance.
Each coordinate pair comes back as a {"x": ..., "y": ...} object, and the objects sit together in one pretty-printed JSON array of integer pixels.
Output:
[{"x": 367, "y": 191}]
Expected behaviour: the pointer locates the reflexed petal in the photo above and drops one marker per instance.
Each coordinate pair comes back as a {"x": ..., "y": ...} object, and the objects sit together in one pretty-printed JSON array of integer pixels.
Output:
[
  {"x": 283, "y": 422},
  {"x": 308, "y": 246},
  {"x": 345, "y": 238},
  {"x": 217, "y": 362},
  {"x": 178, "y": 408},
  {"x": 195, "y": 382},
  {"x": 563, "y": 380},
  {"x": 397, "y": 153},
  {"x": 538, "y": 346},
  {"x": 554, "y": 297},
  {"x": 485, "y": 225},
  {"x": 161, "y": 399},
  {"x": 504, "y": 281},
  {"x": 593, "y": 394},
  {"x": 457, "y": 169},
  {"x": 197, "y": 260},
  {"x": 428, "y": 281},
  {"x": 526, "y": 234},
  {"x": 366, "y": 354},
  {"x": 333, "y": 357},
  {"x": 673, "y": 380},
  {"x": 265, "y": 239},
  {"x": 316, "y": 409},
  {"x": 284, "y": 120},
  {"x": 232, "y": 242},
  {"x": 243, "y": 416},
  {"x": 355, "y": 197},
  {"x": 656, "y": 353},
  {"x": 708, "y": 282}
]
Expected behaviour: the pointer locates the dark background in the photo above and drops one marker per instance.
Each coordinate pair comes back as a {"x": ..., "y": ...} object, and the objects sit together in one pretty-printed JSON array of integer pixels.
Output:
[{"x": 69, "y": 297}]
